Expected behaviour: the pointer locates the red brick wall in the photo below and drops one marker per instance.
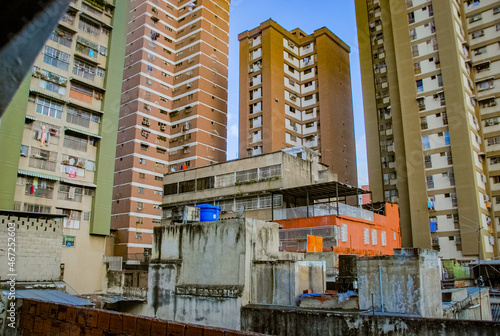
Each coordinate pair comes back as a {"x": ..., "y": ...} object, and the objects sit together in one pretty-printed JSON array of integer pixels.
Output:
[{"x": 42, "y": 318}]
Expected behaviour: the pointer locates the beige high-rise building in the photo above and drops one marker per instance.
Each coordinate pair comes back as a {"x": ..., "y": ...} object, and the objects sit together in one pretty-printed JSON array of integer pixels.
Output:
[
  {"x": 295, "y": 90},
  {"x": 432, "y": 122},
  {"x": 173, "y": 112}
]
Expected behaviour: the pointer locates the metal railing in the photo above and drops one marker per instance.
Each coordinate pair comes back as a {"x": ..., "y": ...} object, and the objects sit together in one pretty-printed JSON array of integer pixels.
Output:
[{"x": 323, "y": 210}]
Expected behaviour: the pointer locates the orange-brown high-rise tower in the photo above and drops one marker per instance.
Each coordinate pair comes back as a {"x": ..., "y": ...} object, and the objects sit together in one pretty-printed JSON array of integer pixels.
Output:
[
  {"x": 295, "y": 90},
  {"x": 173, "y": 108}
]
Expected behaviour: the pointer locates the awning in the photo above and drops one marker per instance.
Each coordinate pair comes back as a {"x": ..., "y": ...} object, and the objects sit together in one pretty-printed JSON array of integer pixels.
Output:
[
  {"x": 79, "y": 183},
  {"x": 112, "y": 298},
  {"x": 85, "y": 83},
  {"x": 321, "y": 190},
  {"x": 82, "y": 132},
  {"x": 31, "y": 118},
  {"x": 48, "y": 95},
  {"x": 486, "y": 98},
  {"x": 50, "y": 295},
  {"x": 34, "y": 174},
  {"x": 84, "y": 108}
]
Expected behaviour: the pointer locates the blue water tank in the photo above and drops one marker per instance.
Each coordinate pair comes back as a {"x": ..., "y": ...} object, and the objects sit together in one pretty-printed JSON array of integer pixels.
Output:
[{"x": 208, "y": 212}]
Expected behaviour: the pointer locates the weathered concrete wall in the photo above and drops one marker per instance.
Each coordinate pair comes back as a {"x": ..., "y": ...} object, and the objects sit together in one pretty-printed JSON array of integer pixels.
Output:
[
  {"x": 287, "y": 321},
  {"x": 407, "y": 283},
  {"x": 204, "y": 273},
  {"x": 37, "y": 248},
  {"x": 471, "y": 307},
  {"x": 310, "y": 275}
]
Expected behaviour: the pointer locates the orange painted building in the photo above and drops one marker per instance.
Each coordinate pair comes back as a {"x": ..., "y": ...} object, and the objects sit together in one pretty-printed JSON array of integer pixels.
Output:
[{"x": 354, "y": 235}]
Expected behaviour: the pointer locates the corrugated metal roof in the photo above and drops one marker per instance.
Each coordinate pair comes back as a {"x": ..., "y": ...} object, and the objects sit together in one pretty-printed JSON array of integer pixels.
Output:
[
  {"x": 50, "y": 295},
  {"x": 79, "y": 183},
  {"x": 35, "y": 174},
  {"x": 322, "y": 190}
]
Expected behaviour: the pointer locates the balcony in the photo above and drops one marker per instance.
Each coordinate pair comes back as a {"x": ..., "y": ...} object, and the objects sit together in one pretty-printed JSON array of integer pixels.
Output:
[{"x": 42, "y": 164}]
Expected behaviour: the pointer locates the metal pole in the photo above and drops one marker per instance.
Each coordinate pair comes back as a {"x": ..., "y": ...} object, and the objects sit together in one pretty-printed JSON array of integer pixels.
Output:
[
  {"x": 373, "y": 306},
  {"x": 272, "y": 207},
  {"x": 381, "y": 290},
  {"x": 307, "y": 196},
  {"x": 337, "y": 197}
]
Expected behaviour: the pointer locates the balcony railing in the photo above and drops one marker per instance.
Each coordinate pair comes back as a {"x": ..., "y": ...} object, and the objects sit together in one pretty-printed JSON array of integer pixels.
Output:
[
  {"x": 42, "y": 164},
  {"x": 323, "y": 210},
  {"x": 64, "y": 195}
]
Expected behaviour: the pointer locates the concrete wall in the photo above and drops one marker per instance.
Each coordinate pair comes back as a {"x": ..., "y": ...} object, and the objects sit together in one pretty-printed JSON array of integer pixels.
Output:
[
  {"x": 285, "y": 321},
  {"x": 37, "y": 249},
  {"x": 204, "y": 273},
  {"x": 410, "y": 280}
]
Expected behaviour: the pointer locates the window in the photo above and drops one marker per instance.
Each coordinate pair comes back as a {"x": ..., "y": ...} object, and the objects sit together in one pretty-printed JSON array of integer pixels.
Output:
[
  {"x": 343, "y": 232},
  {"x": 374, "y": 237},
  {"x": 411, "y": 17},
  {"x": 158, "y": 178},
  {"x": 307, "y": 71},
  {"x": 75, "y": 142},
  {"x": 78, "y": 117},
  {"x": 49, "y": 107},
  {"x": 140, "y": 206},
  {"x": 425, "y": 142},
  {"x": 430, "y": 182},
  {"x": 90, "y": 165},
  {"x": 139, "y": 220},
  {"x": 205, "y": 183},
  {"x": 447, "y": 138},
  {"x": 62, "y": 37},
  {"x": 292, "y": 70},
  {"x": 86, "y": 216},
  {"x": 420, "y": 86},
  {"x": 475, "y": 18},
  {"x": 56, "y": 58},
  {"x": 486, "y": 85},
  {"x": 68, "y": 241},
  {"x": 170, "y": 189},
  {"x": 24, "y": 150},
  {"x": 366, "y": 236},
  {"x": 480, "y": 51},
  {"x": 383, "y": 238},
  {"x": 187, "y": 186},
  {"x": 140, "y": 190},
  {"x": 494, "y": 160},
  {"x": 142, "y": 161},
  {"x": 89, "y": 27}
]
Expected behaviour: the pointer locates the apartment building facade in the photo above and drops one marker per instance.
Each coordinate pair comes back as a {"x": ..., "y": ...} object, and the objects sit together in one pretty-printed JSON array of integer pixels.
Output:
[
  {"x": 173, "y": 109},
  {"x": 59, "y": 136},
  {"x": 431, "y": 115},
  {"x": 295, "y": 90}
]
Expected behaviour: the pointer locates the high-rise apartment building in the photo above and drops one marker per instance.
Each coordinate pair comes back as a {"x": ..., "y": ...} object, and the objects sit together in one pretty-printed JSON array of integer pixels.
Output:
[
  {"x": 295, "y": 90},
  {"x": 432, "y": 122},
  {"x": 173, "y": 108},
  {"x": 59, "y": 137}
]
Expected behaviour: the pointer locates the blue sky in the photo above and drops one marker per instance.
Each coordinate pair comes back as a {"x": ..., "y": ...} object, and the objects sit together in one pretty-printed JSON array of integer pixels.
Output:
[{"x": 338, "y": 16}]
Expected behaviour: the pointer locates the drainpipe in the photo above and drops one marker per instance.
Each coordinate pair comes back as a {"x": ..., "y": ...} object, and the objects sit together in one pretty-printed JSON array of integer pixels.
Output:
[
  {"x": 274, "y": 282},
  {"x": 381, "y": 290}
]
